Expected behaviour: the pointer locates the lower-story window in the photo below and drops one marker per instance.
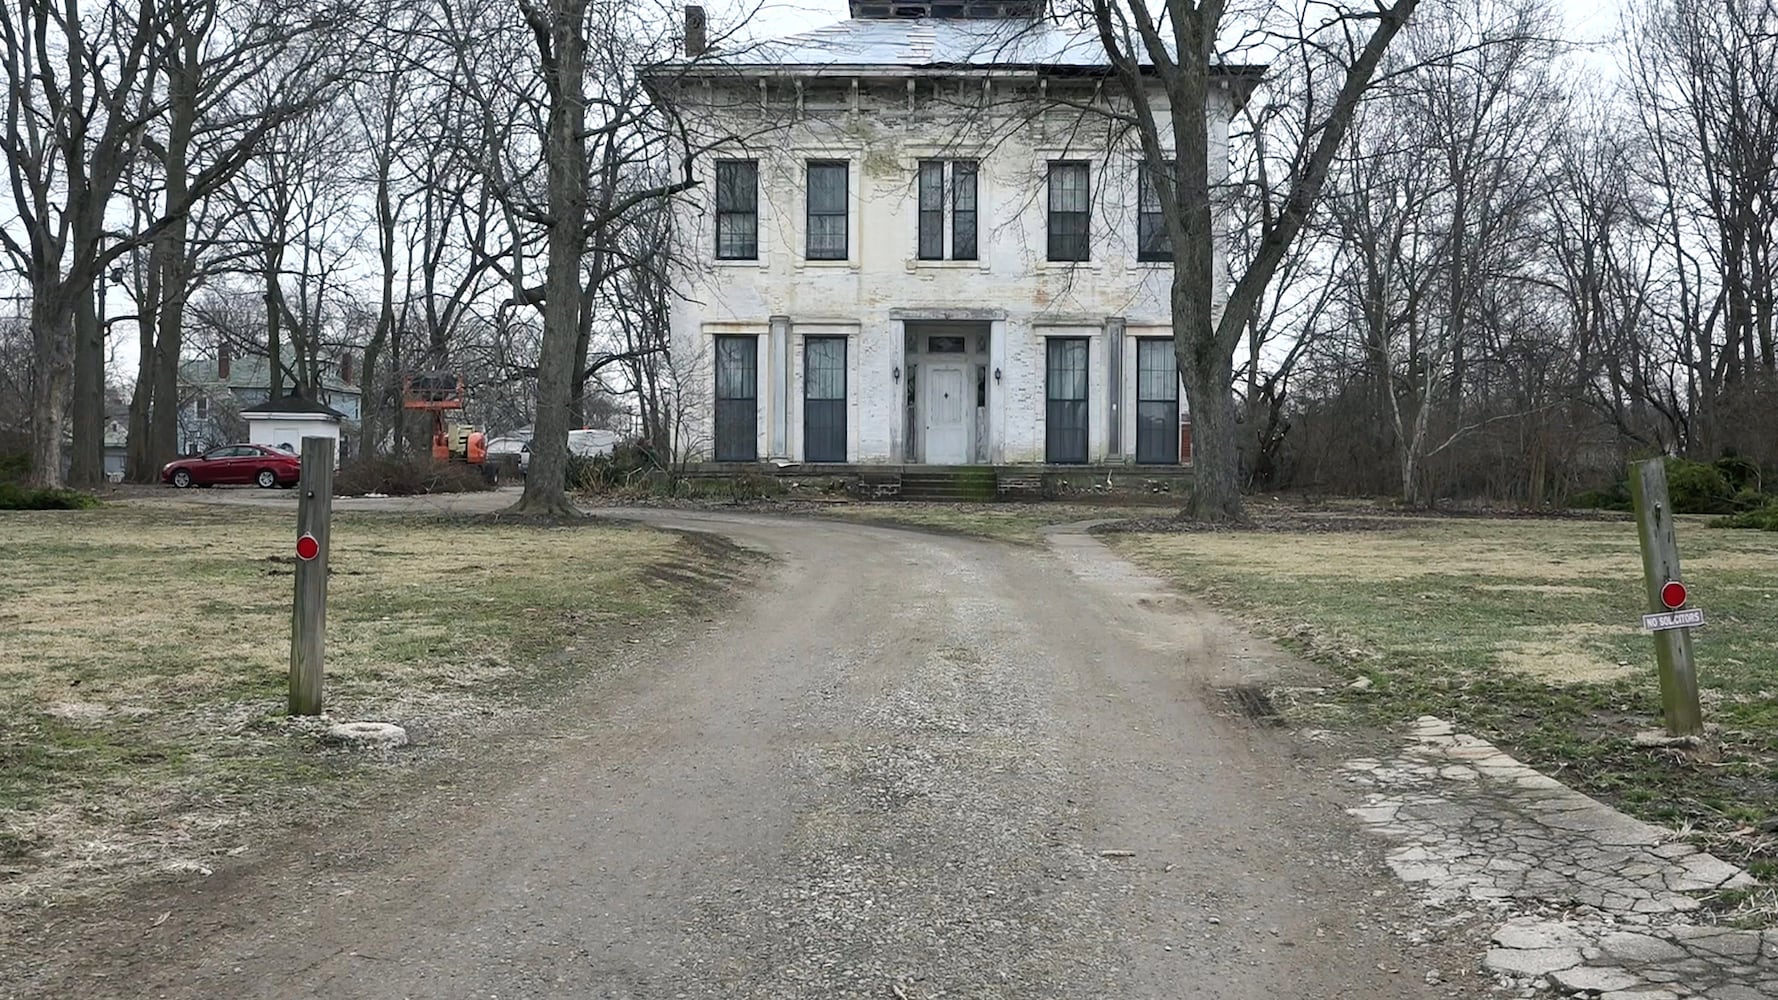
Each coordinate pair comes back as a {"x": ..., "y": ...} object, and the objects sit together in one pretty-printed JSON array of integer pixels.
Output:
[
  {"x": 824, "y": 399},
  {"x": 1065, "y": 416},
  {"x": 737, "y": 399},
  {"x": 1157, "y": 402}
]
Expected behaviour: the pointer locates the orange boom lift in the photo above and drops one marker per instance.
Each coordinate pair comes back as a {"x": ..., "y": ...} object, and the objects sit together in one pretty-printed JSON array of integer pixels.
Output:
[{"x": 439, "y": 393}]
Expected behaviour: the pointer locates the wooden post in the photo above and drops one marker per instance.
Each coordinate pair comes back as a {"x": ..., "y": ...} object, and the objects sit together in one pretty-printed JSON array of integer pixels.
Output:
[
  {"x": 308, "y": 616},
  {"x": 1660, "y": 564}
]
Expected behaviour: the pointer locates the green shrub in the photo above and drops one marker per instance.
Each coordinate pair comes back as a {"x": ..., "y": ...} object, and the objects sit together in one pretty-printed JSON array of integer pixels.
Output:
[
  {"x": 16, "y": 497},
  {"x": 14, "y": 466},
  {"x": 1760, "y": 519},
  {"x": 406, "y": 477},
  {"x": 1729, "y": 484},
  {"x": 1742, "y": 473},
  {"x": 1616, "y": 497},
  {"x": 625, "y": 466},
  {"x": 1698, "y": 488}
]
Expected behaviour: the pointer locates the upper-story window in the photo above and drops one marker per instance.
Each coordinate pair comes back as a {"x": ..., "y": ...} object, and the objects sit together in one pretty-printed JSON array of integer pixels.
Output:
[
  {"x": 962, "y": 187},
  {"x": 737, "y": 209},
  {"x": 1070, "y": 205},
  {"x": 1151, "y": 225},
  {"x": 827, "y": 210},
  {"x": 201, "y": 407}
]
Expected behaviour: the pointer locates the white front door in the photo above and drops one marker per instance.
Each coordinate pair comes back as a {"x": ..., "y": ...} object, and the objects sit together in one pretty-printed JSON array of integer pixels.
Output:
[{"x": 947, "y": 424}]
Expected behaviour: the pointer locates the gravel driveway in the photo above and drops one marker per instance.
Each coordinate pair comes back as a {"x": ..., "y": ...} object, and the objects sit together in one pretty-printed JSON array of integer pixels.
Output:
[{"x": 911, "y": 766}]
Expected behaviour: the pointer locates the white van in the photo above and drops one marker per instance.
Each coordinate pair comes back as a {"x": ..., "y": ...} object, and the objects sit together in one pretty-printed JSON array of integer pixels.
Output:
[{"x": 585, "y": 443}]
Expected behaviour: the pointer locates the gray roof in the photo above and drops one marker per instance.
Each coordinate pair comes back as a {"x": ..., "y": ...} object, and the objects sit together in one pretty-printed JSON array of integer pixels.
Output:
[
  {"x": 292, "y": 403},
  {"x": 250, "y": 372},
  {"x": 926, "y": 43}
]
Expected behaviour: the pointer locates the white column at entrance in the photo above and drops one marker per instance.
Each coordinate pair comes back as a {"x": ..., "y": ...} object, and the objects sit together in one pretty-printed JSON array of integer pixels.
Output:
[
  {"x": 779, "y": 364},
  {"x": 996, "y": 395},
  {"x": 1114, "y": 387}
]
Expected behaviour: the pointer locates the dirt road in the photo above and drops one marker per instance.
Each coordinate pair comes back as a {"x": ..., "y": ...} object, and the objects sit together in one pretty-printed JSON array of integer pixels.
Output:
[{"x": 909, "y": 766}]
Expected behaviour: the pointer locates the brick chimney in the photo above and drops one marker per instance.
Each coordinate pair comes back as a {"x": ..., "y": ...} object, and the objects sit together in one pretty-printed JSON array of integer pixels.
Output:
[
  {"x": 696, "y": 32},
  {"x": 346, "y": 367},
  {"x": 223, "y": 357}
]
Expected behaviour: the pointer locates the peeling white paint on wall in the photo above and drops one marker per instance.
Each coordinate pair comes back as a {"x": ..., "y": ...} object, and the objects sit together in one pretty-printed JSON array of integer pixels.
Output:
[{"x": 882, "y": 120}]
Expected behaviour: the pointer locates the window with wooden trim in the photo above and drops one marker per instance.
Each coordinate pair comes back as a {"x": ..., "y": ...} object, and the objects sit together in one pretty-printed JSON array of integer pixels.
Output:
[
  {"x": 737, "y": 209},
  {"x": 827, "y": 234},
  {"x": 1157, "y": 401},
  {"x": 1070, "y": 210},
  {"x": 947, "y": 186}
]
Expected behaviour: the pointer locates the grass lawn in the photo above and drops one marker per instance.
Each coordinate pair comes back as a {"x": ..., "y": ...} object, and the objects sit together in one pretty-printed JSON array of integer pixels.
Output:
[
  {"x": 144, "y": 653},
  {"x": 1525, "y": 631}
]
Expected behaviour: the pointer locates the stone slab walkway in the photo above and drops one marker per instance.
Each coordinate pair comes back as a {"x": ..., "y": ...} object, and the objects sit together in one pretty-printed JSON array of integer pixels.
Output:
[{"x": 1471, "y": 823}]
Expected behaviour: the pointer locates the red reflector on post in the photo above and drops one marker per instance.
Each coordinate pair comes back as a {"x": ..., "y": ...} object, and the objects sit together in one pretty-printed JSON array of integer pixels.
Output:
[
  {"x": 307, "y": 548},
  {"x": 1673, "y": 594}
]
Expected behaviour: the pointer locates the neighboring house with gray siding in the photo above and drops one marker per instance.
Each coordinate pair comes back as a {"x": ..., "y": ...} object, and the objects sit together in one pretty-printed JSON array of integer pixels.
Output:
[{"x": 214, "y": 392}]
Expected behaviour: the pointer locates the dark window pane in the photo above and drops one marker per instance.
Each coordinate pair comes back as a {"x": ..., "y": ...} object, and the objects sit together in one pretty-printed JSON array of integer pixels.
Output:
[
  {"x": 737, "y": 209},
  {"x": 963, "y": 176},
  {"x": 1157, "y": 402},
  {"x": 932, "y": 185},
  {"x": 1157, "y": 370},
  {"x": 737, "y": 406},
  {"x": 1065, "y": 411},
  {"x": 827, "y": 211},
  {"x": 1070, "y": 201},
  {"x": 737, "y": 236},
  {"x": 932, "y": 210},
  {"x": 945, "y": 345},
  {"x": 824, "y": 399},
  {"x": 737, "y": 185},
  {"x": 1068, "y": 187},
  {"x": 1151, "y": 225},
  {"x": 824, "y": 368},
  {"x": 827, "y": 187}
]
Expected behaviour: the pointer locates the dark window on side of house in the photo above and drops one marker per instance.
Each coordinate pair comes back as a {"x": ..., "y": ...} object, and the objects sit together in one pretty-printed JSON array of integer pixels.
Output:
[
  {"x": 932, "y": 210},
  {"x": 1065, "y": 389},
  {"x": 737, "y": 399},
  {"x": 827, "y": 210},
  {"x": 737, "y": 209},
  {"x": 1151, "y": 223},
  {"x": 824, "y": 399},
  {"x": 963, "y": 211},
  {"x": 1157, "y": 401},
  {"x": 1070, "y": 205}
]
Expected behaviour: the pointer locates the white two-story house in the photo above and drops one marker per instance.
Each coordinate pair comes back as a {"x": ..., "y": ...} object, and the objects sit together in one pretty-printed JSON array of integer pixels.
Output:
[{"x": 923, "y": 236}]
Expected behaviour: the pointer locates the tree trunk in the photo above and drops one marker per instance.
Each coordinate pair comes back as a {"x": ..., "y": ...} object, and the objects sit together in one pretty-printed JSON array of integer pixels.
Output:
[
  {"x": 52, "y": 343},
  {"x": 86, "y": 452},
  {"x": 562, "y": 45},
  {"x": 141, "y": 465},
  {"x": 1206, "y": 365},
  {"x": 1216, "y": 453}
]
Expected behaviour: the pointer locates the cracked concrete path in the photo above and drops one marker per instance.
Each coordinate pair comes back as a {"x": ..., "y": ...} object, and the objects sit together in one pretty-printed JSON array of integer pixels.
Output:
[
  {"x": 1615, "y": 894},
  {"x": 906, "y": 766}
]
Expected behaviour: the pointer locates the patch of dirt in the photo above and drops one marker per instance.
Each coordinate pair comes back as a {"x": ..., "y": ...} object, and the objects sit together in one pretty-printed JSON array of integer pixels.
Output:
[{"x": 1561, "y": 663}]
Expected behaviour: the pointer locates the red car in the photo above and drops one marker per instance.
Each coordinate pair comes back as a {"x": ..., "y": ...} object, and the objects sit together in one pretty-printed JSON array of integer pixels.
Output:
[{"x": 236, "y": 463}]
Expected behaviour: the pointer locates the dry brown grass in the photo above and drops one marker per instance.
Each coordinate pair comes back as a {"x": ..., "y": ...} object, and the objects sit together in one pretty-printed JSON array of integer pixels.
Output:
[{"x": 144, "y": 650}]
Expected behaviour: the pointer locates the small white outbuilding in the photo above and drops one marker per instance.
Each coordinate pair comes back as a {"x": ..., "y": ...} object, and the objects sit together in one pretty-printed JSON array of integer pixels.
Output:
[{"x": 284, "y": 422}]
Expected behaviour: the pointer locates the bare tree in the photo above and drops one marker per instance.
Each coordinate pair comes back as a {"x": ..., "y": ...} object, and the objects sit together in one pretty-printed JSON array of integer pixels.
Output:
[
  {"x": 232, "y": 74},
  {"x": 1174, "y": 50}
]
